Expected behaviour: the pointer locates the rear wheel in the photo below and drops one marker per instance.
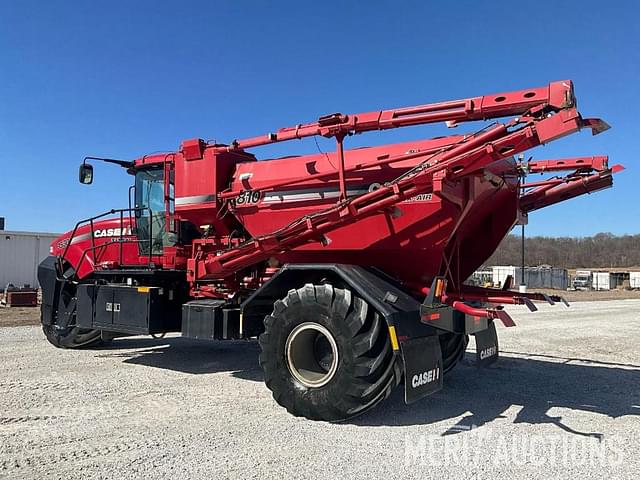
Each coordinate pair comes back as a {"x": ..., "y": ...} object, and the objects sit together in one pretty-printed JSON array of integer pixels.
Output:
[
  {"x": 326, "y": 354},
  {"x": 453, "y": 346}
]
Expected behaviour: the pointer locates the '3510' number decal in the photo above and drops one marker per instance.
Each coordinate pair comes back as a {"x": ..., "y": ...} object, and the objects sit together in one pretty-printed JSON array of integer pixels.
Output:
[{"x": 247, "y": 197}]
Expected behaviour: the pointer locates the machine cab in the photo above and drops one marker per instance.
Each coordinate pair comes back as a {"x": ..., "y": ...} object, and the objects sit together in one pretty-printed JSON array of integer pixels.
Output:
[
  {"x": 153, "y": 209},
  {"x": 154, "y": 203}
]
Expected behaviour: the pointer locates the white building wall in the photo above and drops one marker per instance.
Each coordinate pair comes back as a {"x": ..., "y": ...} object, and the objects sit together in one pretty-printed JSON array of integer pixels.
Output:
[
  {"x": 20, "y": 254},
  {"x": 634, "y": 279}
]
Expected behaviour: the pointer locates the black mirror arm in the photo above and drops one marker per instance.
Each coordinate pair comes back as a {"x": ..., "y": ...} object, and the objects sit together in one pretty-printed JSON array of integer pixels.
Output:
[{"x": 123, "y": 163}]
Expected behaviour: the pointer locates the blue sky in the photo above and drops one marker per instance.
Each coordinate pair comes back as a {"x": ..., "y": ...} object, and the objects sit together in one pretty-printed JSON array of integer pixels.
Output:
[{"x": 125, "y": 78}]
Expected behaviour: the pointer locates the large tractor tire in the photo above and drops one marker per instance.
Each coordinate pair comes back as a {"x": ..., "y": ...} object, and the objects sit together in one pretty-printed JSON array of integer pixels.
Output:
[
  {"x": 72, "y": 337},
  {"x": 326, "y": 354},
  {"x": 58, "y": 296}
]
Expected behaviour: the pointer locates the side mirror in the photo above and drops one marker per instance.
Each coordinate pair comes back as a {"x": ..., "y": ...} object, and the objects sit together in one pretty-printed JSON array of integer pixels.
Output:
[{"x": 85, "y": 174}]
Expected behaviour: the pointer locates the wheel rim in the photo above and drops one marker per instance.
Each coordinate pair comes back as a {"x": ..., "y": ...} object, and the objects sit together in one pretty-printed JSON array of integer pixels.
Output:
[{"x": 312, "y": 354}]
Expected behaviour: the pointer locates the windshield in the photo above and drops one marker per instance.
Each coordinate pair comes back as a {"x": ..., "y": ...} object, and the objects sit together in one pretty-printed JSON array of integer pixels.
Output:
[
  {"x": 150, "y": 219},
  {"x": 150, "y": 191}
]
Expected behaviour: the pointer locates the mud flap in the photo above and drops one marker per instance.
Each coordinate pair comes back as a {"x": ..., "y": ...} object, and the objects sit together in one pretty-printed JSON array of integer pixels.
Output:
[
  {"x": 50, "y": 286},
  {"x": 486, "y": 346},
  {"x": 422, "y": 367}
]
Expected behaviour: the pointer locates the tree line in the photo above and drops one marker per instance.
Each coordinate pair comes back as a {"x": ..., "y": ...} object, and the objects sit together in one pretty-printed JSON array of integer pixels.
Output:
[{"x": 599, "y": 251}]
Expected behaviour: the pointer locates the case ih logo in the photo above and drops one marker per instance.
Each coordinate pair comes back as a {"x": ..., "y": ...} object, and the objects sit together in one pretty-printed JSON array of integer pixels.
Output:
[
  {"x": 112, "y": 232},
  {"x": 488, "y": 352},
  {"x": 425, "y": 377}
]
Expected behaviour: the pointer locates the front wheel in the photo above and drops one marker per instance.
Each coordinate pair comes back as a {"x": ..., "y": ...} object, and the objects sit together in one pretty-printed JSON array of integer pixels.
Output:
[
  {"x": 72, "y": 337},
  {"x": 62, "y": 303},
  {"x": 326, "y": 354}
]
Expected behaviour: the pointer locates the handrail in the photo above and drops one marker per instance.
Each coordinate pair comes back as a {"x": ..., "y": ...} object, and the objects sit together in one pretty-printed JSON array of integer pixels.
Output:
[
  {"x": 120, "y": 240},
  {"x": 105, "y": 245}
]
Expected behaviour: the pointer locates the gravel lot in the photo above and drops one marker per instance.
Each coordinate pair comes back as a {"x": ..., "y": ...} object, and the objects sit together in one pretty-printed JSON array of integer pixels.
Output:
[{"x": 563, "y": 402}]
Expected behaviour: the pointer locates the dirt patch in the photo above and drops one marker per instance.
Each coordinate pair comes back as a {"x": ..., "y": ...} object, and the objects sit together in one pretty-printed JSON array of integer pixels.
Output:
[{"x": 19, "y": 316}]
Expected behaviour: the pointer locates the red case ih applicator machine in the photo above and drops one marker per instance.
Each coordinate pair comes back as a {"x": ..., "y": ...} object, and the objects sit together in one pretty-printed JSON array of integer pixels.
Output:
[{"x": 348, "y": 266}]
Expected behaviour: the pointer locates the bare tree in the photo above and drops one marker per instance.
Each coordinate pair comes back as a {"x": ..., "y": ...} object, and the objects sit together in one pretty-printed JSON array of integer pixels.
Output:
[{"x": 600, "y": 251}]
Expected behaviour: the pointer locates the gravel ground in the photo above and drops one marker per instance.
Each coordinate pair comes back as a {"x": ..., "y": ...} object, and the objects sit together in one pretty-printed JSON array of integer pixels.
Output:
[
  {"x": 592, "y": 295},
  {"x": 563, "y": 402}
]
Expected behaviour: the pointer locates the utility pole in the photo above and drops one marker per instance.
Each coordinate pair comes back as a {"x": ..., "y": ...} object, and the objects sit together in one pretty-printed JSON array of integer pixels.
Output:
[
  {"x": 523, "y": 175},
  {"x": 523, "y": 286}
]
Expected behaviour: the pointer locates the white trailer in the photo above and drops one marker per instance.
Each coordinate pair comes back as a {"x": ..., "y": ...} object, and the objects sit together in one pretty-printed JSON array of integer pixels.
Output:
[
  {"x": 500, "y": 274},
  {"x": 601, "y": 280},
  {"x": 634, "y": 279}
]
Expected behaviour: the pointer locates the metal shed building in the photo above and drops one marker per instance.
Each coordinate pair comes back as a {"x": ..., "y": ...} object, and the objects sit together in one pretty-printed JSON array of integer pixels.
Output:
[
  {"x": 20, "y": 254},
  {"x": 534, "y": 277}
]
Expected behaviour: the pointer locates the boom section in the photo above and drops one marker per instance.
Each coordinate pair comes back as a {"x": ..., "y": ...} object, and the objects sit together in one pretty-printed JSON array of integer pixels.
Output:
[{"x": 554, "y": 97}]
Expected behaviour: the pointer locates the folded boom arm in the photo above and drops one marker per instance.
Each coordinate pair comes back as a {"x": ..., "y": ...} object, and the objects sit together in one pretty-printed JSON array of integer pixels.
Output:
[{"x": 555, "y": 97}]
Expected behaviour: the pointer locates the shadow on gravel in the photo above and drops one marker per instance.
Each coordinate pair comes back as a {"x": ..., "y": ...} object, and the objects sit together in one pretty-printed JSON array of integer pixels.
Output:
[
  {"x": 478, "y": 395},
  {"x": 189, "y": 356},
  {"x": 483, "y": 395}
]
